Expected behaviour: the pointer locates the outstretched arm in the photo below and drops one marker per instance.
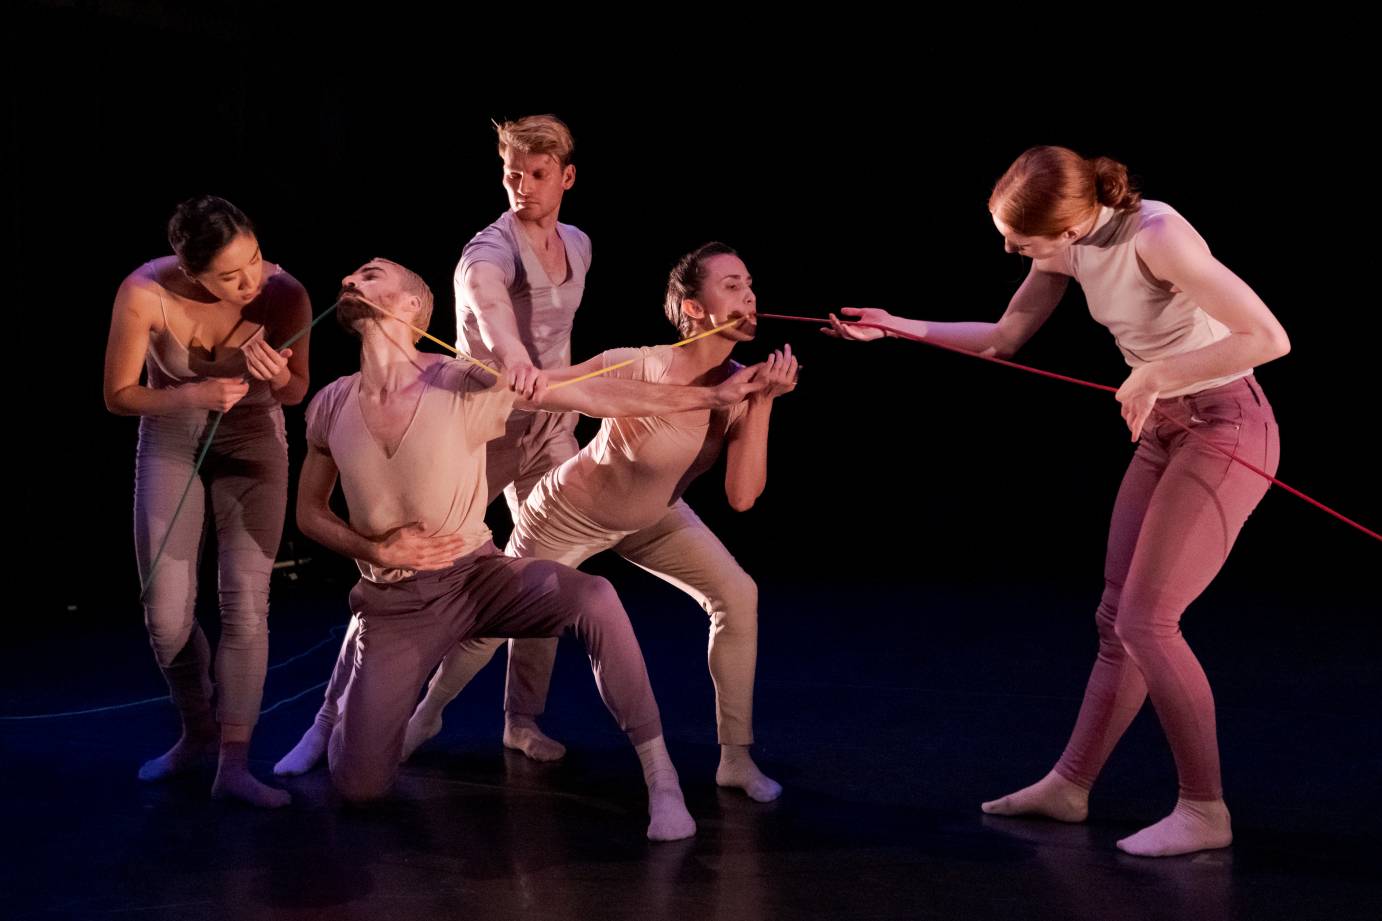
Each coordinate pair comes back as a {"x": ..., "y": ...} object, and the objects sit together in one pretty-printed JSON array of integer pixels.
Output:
[
  {"x": 1029, "y": 308},
  {"x": 607, "y": 397}
]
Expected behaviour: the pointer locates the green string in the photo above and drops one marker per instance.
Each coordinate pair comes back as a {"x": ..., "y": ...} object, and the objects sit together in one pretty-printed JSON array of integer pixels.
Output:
[{"x": 201, "y": 457}]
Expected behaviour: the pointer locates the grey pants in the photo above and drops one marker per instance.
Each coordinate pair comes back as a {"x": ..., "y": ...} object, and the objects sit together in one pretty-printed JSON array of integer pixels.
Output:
[
  {"x": 404, "y": 628},
  {"x": 246, "y": 477}
]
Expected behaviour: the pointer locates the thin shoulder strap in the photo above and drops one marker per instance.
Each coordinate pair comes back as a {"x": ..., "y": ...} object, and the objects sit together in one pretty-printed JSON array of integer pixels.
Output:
[{"x": 158, "y": 286}]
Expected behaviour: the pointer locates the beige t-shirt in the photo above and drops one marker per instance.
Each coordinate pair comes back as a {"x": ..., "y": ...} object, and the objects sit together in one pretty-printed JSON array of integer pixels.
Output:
[
  {"x": 1148, "y": 318},
  {"x": 629, "y": 474},
  {"x": 437, "y": 475}
]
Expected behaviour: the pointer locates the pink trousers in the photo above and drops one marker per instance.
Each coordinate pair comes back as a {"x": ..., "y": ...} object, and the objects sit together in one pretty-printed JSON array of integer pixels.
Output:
[{"x": 1178, "y": 512}]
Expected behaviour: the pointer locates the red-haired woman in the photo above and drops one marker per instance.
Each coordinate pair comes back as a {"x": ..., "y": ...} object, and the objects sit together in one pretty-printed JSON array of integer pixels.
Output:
[{"x": 1192, "y": 332}]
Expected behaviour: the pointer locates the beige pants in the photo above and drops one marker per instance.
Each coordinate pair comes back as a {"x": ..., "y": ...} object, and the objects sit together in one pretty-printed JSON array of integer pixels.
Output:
[{"x": 677, "y": 548}]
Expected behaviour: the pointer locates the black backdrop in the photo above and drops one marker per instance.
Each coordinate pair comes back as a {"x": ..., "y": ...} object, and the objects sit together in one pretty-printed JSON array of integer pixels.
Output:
[{"x": 858, "y": 181}]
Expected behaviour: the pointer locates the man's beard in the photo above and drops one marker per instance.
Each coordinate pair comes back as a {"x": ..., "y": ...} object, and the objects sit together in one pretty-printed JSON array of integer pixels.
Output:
[{"x": 350, "y": 310}]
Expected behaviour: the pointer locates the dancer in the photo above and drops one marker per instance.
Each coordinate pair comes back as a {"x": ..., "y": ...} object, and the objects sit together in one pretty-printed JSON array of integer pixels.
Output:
[
  {"x": 1192, "y": 332},
  {"x": 406, "y": 435},
  {"x": 200, "y": 324},
  {"x": 623, "y": 492},
  {"x": 518, "y": 284}
]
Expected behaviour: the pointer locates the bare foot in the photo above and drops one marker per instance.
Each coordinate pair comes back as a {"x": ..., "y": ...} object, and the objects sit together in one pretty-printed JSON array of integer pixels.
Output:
[
  {"x": 738, "y": 770},
  {"x": 234, "y": 780},
  {"x": 1194, "y": 825},
  {"x": 668, "y": 819},
  {"x": 521, "y": 733},
  {"x": 187, "y": 754},
  {"x": 1052, "y": 796}
]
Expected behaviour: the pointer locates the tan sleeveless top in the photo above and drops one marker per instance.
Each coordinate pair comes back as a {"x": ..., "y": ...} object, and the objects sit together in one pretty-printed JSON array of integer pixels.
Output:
[
  {"x": 169, "y": 363},
  {"x": 637, "y": 467},
  {"x": 1148, "y": 319}
]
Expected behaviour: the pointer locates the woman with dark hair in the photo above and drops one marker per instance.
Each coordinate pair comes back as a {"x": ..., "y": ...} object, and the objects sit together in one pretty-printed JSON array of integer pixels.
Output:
[
  {"x": 623, "y": 492},
  {"x": 199, "y": 324},
  {"x": 1192, "y": 332}
]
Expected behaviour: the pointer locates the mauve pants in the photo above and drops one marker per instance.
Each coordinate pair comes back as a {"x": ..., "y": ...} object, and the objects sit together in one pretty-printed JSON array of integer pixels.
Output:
[
  {"x": 1178, "y": 512},
  {"x": 404, "y": 628},
  {"x": 246, "y": 476}
]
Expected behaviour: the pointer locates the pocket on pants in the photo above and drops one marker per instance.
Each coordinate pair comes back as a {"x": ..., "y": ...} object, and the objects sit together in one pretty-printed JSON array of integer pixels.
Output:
[{"x": 1221, "y": 412}]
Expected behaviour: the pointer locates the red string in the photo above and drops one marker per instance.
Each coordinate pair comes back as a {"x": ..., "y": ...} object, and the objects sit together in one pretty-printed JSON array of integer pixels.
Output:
[{"x": 1083, "y": 383}]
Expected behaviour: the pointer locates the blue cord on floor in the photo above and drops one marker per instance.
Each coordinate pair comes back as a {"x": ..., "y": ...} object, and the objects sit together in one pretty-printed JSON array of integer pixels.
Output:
[{"x": 333, "y": 638}]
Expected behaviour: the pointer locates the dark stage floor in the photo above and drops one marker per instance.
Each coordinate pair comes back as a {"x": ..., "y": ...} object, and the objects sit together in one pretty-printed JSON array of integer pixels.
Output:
[{"x": 887, "y": 713}]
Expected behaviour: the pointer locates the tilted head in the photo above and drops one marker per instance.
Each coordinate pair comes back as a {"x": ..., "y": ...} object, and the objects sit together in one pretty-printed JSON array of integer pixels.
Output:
[
  {"x": 1050, "y": 196},
  {"x": 536, "y": 151},
  {"x": 397, "y": 289},
  {"x": 217, "y": 248},
  {"x": 710, "y": 286}
]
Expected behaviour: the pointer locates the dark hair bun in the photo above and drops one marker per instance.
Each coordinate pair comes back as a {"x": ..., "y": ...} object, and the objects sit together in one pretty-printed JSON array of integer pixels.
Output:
[{"x": 201, "y": 226}]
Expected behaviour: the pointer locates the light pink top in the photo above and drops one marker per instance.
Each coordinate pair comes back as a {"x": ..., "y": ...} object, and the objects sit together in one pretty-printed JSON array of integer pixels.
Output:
[
  {"x": 1150, "y": 319},
  {"x": 629, "y": 474}
]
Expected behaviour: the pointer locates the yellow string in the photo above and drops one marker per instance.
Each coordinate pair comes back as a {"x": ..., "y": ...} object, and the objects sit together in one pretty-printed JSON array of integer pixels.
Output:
[
  {"x": 424, "y": 333},
  {"x": 629, "y": 361},
  {"x": 575, "y": 380}
]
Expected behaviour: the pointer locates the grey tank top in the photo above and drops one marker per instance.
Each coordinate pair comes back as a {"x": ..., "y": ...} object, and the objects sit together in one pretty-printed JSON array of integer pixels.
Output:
[{"x": 169, "y": 363}]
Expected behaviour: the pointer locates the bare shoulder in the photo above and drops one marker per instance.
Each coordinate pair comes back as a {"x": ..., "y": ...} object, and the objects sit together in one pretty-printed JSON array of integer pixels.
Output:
[
  {"x": 138, "y": 295},
  {"x": 1171, "y": 249}
]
